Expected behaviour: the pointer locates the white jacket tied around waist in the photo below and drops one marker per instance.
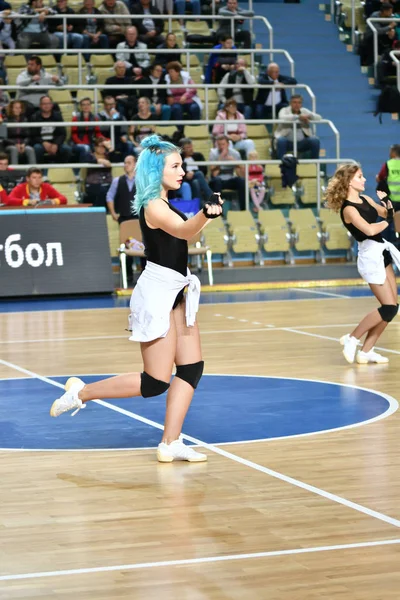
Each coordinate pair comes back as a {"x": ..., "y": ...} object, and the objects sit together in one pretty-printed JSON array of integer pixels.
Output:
[
  {"x": 153, "y": 298},
  {"x": 371, "y": 263}
]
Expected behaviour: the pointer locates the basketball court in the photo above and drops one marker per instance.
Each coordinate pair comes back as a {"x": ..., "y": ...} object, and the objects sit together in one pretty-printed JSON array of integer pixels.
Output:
[{"x": 298, "y": 499}]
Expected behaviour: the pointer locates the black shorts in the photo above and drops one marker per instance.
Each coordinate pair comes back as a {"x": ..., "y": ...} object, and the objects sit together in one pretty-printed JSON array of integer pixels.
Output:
[
  {"x": 178, "y": 299},
  {"x": 387, "y": 258}
]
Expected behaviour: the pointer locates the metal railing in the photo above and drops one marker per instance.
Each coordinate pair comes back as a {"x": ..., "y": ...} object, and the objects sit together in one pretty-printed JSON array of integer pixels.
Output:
[
  {"x": 370, "y": 23},
  {"x": 395, "y": 54},
  {"x": 201, "y": 86},
  {"x": 112, "y": 124},
  {"x": 167, "y": 18},
  {"x": 206, "y": 163},
  {"x": 335, "y": 6},
  {"x": 272, "y": 52}
]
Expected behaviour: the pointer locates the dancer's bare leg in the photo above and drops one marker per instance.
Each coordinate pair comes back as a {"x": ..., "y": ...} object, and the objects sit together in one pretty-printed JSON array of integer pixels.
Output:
[
  {"x": 386, "y": 294},
  {"x": 158, "y": 357},
  {"x": 180, "y": 394}
]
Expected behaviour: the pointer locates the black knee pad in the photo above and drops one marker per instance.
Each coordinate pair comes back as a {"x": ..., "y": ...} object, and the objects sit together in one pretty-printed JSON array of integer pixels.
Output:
[
  {"x": 388, "y": 311},
  {"x": 151, "y": 387},
  {"x": 190, "y": 373}
]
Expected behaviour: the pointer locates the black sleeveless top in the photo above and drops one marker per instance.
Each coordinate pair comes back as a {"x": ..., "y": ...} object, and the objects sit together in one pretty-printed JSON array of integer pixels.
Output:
[
  {"x": 368, "y": 213},
  {"x": 162, "y": 248}
]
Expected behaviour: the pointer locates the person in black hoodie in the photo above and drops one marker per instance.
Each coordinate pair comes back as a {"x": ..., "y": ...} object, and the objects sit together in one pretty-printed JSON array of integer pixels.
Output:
[
  {"x": 48, "y": 140},
  {"x": 169, "y": 44}
]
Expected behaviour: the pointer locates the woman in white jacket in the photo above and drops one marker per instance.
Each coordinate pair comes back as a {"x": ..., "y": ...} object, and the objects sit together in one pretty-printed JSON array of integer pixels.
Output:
[{"x": 161, "y": 319}]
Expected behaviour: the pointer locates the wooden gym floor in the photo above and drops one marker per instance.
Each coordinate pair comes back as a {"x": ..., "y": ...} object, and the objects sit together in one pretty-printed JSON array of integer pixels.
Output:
[{"x": 299, "y": 517}]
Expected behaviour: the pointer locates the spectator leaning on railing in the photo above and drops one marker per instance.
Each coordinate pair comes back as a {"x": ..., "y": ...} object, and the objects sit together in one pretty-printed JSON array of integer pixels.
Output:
[
  {"x": 48, "y": 140},
  {"x": 33, "y": 76},
  {"x": 295, "y": 113},
  {"x": 239, "y": 76},
  {"x": 35, "y": 190},
  {"x": 35, "y": 31}
]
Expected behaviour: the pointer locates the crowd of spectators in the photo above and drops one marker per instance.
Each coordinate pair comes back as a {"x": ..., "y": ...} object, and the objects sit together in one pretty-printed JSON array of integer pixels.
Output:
[{"x": 47, "y": 140}]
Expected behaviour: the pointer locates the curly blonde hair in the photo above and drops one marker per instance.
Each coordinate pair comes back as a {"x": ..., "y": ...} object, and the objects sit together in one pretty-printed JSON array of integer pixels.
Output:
[{"x": 338, "y": 186}]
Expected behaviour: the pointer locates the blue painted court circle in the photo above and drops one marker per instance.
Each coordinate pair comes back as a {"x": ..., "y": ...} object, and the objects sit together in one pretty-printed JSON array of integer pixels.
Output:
[{"x": 225, "y": 409}]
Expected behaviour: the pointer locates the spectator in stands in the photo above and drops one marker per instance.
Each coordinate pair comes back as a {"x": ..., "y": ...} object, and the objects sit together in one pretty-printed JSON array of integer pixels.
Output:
[
  {"x": 235, "y": 132},
  {"x": 137, "y": 62},
  {"x": 3, "y": 195},
  {"x": 91, "y": 28},
  {"x": 195, "y": 176},
  {"x": 48, "y": 140},
  {"x": 56, "y": 26},
  {"x": 220, "y": 64},
  {"x": 98, "y": 181},
  {"x": 157, "y": 96},
  {"x": 169, "y": 44},
  {"x": 4, "y": 102},
  {"x": 125, "y": 98},
  {"x": 33, "y": 76},
  {"x": 9, "y": 177},
  {"x": 34, "y": 32},
  {"x": 387, "y": 67},
  {"x": 386, "y": 34},
  {"x": 17, "y": 141},
  {"x": 8, "y": 30},
  {"x": 256, "y": 182},
  {"x": 137, "y": 133},
  {"x": 122, "y": 192},
  {"x": 149, "y": 29},
  {"x": 184, "y": 101},
  {"x": 35, "y": 190},
  {"x": 388, "y": 177},
  {"x": 232, "y": 9},
  {"x": 226, "y": 177},
  {"x": 266, "y": 97},
  {"x": 115, "y": 28},
  {"x": 243, "y": 96},
  {"x": 295, "y": 113},
  {"x": 181, "y": 7},
  {"x": 110, "y": 113},
  {"x": 83, "y": 137}
]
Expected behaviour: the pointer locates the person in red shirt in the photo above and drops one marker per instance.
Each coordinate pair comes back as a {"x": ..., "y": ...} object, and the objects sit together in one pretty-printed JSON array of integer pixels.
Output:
[
  {"x": 34, "y": 191},
  {"x": 3, "y": 195},
  {"x": 83, "y": 136}
]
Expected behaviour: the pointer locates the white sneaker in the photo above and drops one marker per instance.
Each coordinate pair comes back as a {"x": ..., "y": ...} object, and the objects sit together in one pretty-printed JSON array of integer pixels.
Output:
[
  {"x": 70, "y": 399},
  {"x": 350, "y": 346},
  {"x": 371, "y": 357},
  {"x": 177, "y": 450}
]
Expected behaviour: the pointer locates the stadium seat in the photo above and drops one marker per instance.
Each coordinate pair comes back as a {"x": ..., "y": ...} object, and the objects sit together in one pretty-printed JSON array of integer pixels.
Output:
[
  {"x": 197, "y": 132},
  {"x": 305, "y": 230},
  {"x": 243, "y": 231},
  {"x": 334, "y": 234},
  {"x": 113, "y": 236},
  {"x": 197, "y": 249},
  {"x": 278, "y": 194},
  {"x": 216, "y": 239},
  {"x": 275, "y": 232},
  {"x": 102, "y": 60},
  {"x": 197, "y": 27},
  {"x": 69, "y": 190},
  {"x": 102, "y": 73},
  {"x": 60, "y": 96},
  {"x": 62, "y": 175},
  {"x": 15, "y": 62}
]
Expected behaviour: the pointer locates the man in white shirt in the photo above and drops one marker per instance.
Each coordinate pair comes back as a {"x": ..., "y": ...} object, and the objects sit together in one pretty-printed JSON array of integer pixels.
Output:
[{"x": 295, "y": 113}]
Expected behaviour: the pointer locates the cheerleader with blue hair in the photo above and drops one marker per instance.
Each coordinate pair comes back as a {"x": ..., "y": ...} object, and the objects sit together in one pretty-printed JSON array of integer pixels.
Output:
[{"x": 162, "y": 318}]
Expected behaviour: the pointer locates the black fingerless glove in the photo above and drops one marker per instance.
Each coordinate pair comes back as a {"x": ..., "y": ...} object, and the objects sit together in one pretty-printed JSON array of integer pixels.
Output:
[
  {"x": 213, "y": 199},
  {"x": 390, "y": 215}
]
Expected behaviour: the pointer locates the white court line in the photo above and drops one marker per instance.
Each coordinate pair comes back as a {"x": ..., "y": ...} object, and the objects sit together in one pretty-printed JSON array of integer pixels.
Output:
[
  {"x": 309, "y": 291},
  {"x": 238, "y": 459},
  {"x": 198, "y": 561},
  {"x": 332, "y": 339}
]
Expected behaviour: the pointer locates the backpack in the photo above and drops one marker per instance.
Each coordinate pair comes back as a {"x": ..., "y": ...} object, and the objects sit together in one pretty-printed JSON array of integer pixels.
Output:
[{"x": 388, "y": 101}]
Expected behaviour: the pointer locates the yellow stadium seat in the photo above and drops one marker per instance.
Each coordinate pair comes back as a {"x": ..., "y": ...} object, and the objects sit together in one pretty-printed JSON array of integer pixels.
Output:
[
  {"x": 61, "y": 175},
  {"x": 15, "y": 62},
  {"x": 69, "y": 190},
  {"x": 243, "y": 231},
  {"x": 216, "y": 238},
  {"x": 275, "y": 231},
  {"x": 102, "y": 60},
  {"x": 334, "y": 234},
  {"x": 279, "y": 195},
  {"x": 103, "y": 73},
  {"x": 305, "y": 229},
  {"x": 60, "y": 96},
  {"x": 197, "y": 27}
]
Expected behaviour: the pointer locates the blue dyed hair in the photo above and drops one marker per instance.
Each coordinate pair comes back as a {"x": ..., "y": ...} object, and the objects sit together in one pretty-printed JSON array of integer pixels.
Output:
[{"x": 149, "y": 170}]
